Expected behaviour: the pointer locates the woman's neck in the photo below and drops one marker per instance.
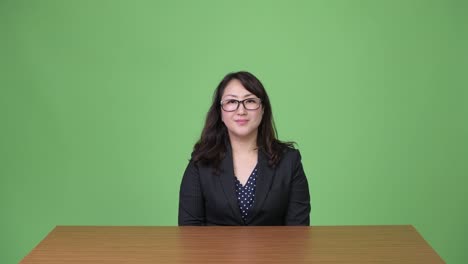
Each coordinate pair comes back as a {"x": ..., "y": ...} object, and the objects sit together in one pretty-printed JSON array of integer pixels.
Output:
[{"x": 244, "y": 145}]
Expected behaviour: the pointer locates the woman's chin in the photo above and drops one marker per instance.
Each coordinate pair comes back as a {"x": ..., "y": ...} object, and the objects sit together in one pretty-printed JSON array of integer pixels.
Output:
[{"x": 241, "y": 133}]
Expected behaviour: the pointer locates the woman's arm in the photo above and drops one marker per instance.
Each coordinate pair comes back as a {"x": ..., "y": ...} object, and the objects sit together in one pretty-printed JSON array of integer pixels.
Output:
[
  {"x": 299, "y": 198},
  {"x": 191, "y": 202}
]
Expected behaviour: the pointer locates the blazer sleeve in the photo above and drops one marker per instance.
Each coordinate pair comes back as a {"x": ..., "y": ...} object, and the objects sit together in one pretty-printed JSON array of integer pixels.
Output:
[
  {"x": 191, "y": 201},
  {"x": 299, "y": 198}
]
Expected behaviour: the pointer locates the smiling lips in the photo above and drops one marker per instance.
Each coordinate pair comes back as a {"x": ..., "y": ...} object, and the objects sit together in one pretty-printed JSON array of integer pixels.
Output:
[{"x": 241, "y": 121}]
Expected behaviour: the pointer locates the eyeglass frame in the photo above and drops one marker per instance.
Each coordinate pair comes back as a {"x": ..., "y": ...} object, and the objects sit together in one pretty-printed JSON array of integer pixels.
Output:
[{"x": 239, "y": 103}]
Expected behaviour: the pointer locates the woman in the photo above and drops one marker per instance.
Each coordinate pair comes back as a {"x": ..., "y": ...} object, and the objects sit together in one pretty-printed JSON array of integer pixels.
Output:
[{"x": 240, "y": 173}]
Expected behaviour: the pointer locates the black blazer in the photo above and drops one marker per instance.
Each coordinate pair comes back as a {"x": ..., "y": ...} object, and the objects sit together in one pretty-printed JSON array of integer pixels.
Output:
[{"x": 281, "y": 195}]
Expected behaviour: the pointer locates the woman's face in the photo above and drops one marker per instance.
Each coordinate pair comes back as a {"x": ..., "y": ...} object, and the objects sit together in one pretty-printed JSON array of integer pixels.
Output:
[{"x": 241, "y": 123}]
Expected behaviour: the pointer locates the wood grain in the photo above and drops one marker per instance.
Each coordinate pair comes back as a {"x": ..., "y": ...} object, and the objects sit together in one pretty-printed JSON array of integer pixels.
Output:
[{"x": 318, "y": 244}]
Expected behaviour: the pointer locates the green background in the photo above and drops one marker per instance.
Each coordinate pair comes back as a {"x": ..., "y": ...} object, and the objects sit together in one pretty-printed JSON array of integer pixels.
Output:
[{"x": 102, "y": 101}]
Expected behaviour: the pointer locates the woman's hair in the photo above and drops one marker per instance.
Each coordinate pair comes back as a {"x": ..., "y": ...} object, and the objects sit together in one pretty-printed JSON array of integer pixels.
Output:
[{"x": 212, "y": 146}]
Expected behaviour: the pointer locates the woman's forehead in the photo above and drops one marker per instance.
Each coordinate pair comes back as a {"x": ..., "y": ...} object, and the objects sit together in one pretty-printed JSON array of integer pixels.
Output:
[{"x": 235, "y": 89}]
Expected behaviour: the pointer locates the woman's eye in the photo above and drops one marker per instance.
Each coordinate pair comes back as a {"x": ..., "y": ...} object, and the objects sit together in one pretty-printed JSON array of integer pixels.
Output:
[
  {"x": 250, "y": 101},
  {"x": 231, "y": 102}
]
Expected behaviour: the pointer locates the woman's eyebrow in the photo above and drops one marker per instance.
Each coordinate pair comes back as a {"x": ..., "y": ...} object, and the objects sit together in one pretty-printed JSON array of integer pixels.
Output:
[
  {"x": 233, "y": 95},
  {"x": 247, "y": 95}
]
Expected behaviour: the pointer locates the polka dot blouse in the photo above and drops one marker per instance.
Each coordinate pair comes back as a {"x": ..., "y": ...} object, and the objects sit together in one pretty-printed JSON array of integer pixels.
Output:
[{"x": 246, "y": 194}]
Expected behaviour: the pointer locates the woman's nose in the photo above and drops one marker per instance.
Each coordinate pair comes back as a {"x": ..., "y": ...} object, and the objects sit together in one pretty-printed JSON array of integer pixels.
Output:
[{"x": 241, "y": 109}]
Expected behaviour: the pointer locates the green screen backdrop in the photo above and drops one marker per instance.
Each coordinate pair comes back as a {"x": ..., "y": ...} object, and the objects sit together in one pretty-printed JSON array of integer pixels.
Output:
[{"x": 102, "y": 101}]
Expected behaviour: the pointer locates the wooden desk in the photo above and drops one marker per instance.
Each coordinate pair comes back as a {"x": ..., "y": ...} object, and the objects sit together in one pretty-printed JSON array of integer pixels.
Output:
[{"x": 318, "y": 244}]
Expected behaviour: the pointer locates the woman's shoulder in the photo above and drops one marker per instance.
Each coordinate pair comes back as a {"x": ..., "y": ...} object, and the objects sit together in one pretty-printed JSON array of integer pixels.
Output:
[
  {"x": 287, "y": 151},
  {"x": 291, "y": 152},
  {"x": 286, "y": 148}
]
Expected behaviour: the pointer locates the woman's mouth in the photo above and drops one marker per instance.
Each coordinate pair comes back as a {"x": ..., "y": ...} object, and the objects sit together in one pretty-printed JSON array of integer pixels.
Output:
[{"x": 241, "y": 121}]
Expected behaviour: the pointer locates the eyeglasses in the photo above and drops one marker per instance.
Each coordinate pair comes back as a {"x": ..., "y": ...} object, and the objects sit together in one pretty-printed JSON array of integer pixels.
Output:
[{"x": 231, "y": 105}]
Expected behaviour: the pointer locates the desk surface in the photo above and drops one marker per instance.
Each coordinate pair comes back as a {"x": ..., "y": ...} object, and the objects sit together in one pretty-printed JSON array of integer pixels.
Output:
[{"x": 318, "y": 244}]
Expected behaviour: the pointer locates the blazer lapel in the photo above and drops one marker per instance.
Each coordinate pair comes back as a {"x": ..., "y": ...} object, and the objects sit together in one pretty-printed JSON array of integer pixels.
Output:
[
  {"x": 228, "y": 183},
  {"x": 264, "y": 180}
]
